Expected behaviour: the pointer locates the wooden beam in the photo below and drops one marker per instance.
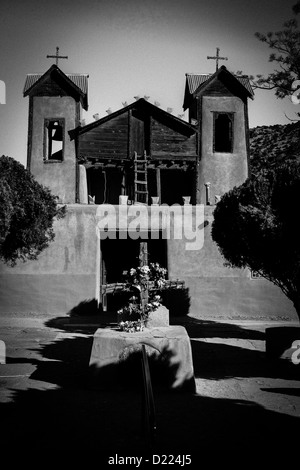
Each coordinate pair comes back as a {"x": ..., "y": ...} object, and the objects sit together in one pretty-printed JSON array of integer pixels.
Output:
[
  {"x": 150, "y": 135},
  {"x": 129, "y": 140},
  {"x": 143, "y": 259},
  {"x": 168, "y": 155},
  {"x": 123, "y": 183},
  {"x": 158, "y": 183}
]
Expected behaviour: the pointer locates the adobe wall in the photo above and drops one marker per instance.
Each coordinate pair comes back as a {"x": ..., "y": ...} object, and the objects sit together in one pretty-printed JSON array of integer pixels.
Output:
[
  {"x": 64, "y": 275},
  {"x": 60, "y": 177},
  {"x": 222, "y": 170},
  {"x": 67, "y": 274},
  {"x": 218, "y": 291}
]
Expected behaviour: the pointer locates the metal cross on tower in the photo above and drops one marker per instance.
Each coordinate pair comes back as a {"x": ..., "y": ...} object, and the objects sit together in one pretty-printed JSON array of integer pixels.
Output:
[
  {"x": 57, "y": 56},
  {"x": 217, "y": 58}
]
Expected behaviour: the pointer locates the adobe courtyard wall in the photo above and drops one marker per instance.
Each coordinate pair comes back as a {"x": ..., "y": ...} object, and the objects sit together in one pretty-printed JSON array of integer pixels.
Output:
[
  {"x": 64, "y": 275},
  {"x": 217, "y": 291},
  {"x": 67, "y": 275}
]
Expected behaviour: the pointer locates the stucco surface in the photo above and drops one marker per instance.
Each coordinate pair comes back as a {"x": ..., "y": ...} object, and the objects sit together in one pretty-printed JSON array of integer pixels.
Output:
[
  {"x": 67, "y": 275},
  {"x": 60, "y": 177},
  {"x": 222, "y": 170},
  {"x": 64, "y": 275}
]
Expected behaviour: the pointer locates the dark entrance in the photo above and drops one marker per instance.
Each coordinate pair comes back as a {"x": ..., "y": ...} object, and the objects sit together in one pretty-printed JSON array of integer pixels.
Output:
[
  {"x": 119, "y": 255},
  {"x": 174, "y": 185}
]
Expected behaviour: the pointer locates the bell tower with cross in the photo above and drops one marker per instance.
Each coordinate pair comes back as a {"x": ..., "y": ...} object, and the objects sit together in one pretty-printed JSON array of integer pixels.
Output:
[
  {"x": 56, "y": 100},
  {"x": 217, "y": 105}
]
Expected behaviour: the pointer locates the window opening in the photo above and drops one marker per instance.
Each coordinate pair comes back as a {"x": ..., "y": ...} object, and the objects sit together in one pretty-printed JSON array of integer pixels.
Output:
[
  {"x": 223, "y": 132},
  {"x": 54, "y": 130}
]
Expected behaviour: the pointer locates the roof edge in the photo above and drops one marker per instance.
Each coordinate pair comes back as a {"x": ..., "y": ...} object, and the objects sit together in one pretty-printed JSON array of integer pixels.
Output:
[
  {"x": 55, "y": 68},
  {"x": 132, "y": 105},
  {"x": 211, "y": 77}
]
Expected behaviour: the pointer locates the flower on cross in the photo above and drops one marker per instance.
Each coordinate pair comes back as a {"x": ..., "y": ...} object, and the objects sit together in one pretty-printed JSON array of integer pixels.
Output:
[{"x": 137, "y": 310}]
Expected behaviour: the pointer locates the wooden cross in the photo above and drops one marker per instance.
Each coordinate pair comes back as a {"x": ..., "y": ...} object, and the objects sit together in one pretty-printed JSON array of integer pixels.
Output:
[
  {"x": 217, "y": 58},
  {"x": 57, "y": 56},
  {"x": 143, "y": 261}
]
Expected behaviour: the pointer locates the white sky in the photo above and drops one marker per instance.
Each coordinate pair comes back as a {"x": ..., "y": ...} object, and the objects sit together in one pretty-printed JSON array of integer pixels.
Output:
[{"x": 133, "y": 47}]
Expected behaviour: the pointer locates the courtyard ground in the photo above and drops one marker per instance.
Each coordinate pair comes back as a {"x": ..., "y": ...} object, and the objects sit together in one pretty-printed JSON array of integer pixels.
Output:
[{"x": 245, "y": 403}]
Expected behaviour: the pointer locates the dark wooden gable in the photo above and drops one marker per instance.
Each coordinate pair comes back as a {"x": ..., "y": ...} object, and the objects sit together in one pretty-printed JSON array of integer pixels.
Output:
[
  {"x": 223, "y": 83},
  {"x": 140, "y": 127},
  {"x": 168, "y": 142},
  {"x": 55, "y": 83},
  {"x": 139, "y": 135},
  {"x": 217, "y": 88},
  {"x": 107, "y": 148},
  {"x": 107, "y": 140}
]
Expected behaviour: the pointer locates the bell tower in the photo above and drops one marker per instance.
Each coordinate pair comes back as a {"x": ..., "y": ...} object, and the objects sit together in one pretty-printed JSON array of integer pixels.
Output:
[
  {"x": 56, "y": 100},
  {"x": 217, "y": 105}
]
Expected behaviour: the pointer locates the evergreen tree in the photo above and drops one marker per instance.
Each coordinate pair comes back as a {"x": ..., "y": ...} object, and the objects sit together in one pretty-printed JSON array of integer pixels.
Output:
[
  {"x": 285, "y": 80},
  {"x": 256, "y": 226},
  {"x": 27, "y": 212}
]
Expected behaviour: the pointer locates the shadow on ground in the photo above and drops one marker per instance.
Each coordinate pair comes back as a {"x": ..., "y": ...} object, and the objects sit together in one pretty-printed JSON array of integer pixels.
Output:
[
  {"x": 217, "y": 359},
  {"x": 75, "y": 414},
  {"x": 210, "y": 329}
]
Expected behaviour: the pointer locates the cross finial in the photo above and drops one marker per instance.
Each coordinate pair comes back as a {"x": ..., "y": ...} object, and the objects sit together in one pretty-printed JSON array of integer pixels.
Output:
[
  {"x": 57, "y": 56},
  {"x": 217, "y": 58}
]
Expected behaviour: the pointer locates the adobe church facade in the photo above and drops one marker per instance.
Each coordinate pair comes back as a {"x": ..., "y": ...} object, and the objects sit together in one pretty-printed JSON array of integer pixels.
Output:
[{"x": 90, "y": 166}]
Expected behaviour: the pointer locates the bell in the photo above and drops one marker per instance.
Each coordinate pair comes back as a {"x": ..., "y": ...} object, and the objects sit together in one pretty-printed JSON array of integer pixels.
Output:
[{"x": 57, "y": 131}]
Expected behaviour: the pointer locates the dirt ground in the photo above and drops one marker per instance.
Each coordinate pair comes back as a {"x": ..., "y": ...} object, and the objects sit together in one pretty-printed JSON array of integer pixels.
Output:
[{"x": 245, "y": 403}]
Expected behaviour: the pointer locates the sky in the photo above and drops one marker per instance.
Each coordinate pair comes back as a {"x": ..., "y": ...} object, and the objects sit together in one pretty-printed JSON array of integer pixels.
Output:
[{"x": 133, "y": 48}]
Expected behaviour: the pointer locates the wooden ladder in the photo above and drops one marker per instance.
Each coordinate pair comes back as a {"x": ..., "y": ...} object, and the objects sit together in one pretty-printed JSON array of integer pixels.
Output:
[{"x": 140, "y": 179}]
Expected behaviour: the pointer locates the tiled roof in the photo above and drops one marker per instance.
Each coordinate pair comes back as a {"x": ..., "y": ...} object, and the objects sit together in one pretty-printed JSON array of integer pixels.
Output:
[
  {"x": 80, "y": 80},
  {"x": 194, "y": 81}
]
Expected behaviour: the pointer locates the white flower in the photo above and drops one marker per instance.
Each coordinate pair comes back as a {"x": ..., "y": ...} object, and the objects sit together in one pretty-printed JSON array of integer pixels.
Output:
[{"x": 145, "y": 269}]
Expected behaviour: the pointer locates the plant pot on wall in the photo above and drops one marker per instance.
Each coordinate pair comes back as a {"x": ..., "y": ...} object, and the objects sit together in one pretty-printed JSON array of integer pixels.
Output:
[
  {"x": 155, "y": 200},
  {"x": 123, "y": 200},
  {"x": 186, "y": 200}
]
